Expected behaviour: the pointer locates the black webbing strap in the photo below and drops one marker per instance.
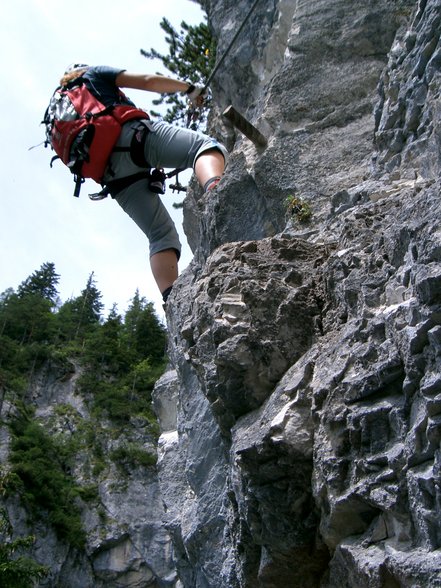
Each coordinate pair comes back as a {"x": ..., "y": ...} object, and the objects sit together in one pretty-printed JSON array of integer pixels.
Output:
[
  {"x": 116, "y": 186},
  {"x": 137, "y": 146},
  {"x": 78, "y": 181}
]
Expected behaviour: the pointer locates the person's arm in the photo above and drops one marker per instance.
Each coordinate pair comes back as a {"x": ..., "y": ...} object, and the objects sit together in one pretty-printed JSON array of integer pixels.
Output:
[
  {"x": 151, "y": 83},
  {"x": 162, "y": 85}
]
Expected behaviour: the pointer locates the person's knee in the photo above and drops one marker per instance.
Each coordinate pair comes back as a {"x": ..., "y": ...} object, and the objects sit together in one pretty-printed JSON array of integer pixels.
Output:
[
  {"x": 209, "y": 167},
  {"x": 211, "y": 149}
]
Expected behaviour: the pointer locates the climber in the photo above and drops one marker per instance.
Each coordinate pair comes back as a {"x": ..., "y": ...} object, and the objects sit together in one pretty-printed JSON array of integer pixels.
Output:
[{"x": 145, "y": 144}]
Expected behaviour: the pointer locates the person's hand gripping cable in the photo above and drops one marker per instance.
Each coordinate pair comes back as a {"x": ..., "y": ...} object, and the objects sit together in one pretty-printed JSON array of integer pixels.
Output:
[{"x": 197, "y": 96}]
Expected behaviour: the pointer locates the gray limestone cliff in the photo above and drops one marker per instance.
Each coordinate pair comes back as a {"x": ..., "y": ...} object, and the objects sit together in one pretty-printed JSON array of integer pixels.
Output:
[
  {"x": 301, "y": 412},
  {"x": 301, "y": 416},
  {"x": 121, "y": 507}
]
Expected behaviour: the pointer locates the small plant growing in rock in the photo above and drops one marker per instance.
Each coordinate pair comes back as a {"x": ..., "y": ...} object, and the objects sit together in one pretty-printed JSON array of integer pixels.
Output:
[{"x": 296, "y": 206}]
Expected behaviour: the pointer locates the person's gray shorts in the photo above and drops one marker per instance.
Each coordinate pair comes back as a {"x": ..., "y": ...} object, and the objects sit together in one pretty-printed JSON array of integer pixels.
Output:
[{"x": 166, "y": 146}]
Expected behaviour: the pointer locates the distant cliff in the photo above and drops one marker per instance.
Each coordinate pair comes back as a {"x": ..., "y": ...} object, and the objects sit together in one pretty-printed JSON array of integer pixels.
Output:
[{"x": 301, "y": 419}]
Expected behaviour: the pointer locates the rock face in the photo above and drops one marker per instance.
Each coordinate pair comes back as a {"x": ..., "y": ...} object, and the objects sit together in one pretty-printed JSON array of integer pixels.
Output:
[
  {"x": 127, "y": 545},
  {"x": 302, "y": 416}
]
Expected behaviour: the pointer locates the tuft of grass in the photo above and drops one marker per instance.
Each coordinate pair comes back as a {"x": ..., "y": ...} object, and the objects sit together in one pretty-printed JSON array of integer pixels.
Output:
[{"x": 296, "y": 206}]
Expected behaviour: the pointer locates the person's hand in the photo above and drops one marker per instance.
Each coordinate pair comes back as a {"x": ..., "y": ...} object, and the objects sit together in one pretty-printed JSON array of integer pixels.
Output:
[{"x": 197, "y": 95}]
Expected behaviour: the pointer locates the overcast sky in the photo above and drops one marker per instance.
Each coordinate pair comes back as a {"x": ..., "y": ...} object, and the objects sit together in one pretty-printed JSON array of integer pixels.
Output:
[{"x": 40, "y": 219}]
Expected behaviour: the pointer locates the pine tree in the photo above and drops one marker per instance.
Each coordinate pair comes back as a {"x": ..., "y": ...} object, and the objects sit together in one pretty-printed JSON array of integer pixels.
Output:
[
  {"x": 131, "y": 320},
  {"x": 90, "y": 302},
  {"x": 42, "y": 282},
  {"x": 104, "y": 349},
  {"x": 145, "y": 333},
  {"x": 26, "y": 316},
  {"x": 191, "y": 57},
  {"x": 79, "y": 315}
]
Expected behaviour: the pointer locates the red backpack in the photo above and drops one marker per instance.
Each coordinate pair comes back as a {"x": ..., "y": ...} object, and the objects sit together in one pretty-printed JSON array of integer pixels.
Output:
[{"x": 83, "y": 132}]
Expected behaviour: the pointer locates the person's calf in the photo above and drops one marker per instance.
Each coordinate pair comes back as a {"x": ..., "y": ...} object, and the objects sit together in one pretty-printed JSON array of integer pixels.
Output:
[{"x": 164, "y": 265}]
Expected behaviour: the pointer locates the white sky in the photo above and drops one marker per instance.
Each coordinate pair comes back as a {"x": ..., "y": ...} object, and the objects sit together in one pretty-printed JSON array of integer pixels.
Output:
[{"x": 40, "y": 219}]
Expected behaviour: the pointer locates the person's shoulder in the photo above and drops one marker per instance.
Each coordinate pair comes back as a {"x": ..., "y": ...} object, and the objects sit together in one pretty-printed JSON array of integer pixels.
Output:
[{"x": 106, "y": 72}]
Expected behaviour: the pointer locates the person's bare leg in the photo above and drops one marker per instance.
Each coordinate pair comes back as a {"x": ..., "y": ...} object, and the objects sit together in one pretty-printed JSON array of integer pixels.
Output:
[
  {"x": 164, "y": 265},
  {"x": 210, "y": 164}
]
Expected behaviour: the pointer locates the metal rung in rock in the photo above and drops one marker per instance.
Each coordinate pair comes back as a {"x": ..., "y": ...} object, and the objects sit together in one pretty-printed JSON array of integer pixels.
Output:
[{"x": 245, "y": 127}]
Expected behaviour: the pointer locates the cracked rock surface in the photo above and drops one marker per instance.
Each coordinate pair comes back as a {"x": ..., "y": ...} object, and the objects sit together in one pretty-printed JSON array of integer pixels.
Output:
[
  {"x": 300, "y": 415},
  {"x": 306, "y": 356}
]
